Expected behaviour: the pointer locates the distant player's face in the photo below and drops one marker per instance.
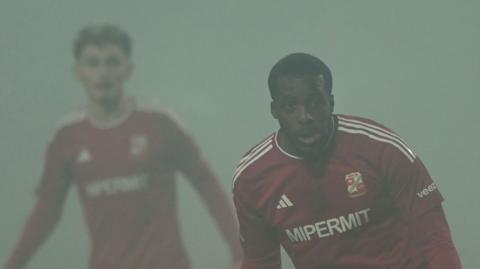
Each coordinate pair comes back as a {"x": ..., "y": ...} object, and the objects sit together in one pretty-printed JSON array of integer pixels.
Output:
[
  {"x": 103, "y": 70},
  {"x": 303, "y": 109}
]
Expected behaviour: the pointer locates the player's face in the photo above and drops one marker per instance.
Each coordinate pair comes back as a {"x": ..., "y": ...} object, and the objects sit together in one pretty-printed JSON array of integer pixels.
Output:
[
  {"x": 103, "y": 71},
  {"x": 303, "y": 109}
]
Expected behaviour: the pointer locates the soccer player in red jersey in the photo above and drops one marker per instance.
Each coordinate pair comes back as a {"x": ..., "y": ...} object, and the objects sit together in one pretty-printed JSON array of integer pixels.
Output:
[
  {"x": 123, "y": 158},
  {"x": 336, "y": 191}
]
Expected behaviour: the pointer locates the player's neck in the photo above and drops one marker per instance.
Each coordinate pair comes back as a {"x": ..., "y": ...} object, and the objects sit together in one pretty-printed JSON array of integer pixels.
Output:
[{"x": 104, "y": 113}]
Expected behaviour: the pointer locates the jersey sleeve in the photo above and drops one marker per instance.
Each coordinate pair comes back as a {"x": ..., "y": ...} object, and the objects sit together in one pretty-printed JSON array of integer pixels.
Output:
[
  {"x": 51, "y": 192},
  {"x": 56, "y": 176},
  {"x": 412, "y": 189},
  {"x": 183, "y": 150},
  {"x": 418, "y": 200},
  {"x": 259, "y": 240}
]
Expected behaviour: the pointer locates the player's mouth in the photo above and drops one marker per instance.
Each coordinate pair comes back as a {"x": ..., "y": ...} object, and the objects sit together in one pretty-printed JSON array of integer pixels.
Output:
[{"x": 309, "y": 139}]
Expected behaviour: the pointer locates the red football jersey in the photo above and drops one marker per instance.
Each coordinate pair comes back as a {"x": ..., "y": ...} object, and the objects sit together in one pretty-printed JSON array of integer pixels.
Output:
[
  {"x": 348, "y": 211},
  {"x": 125, "y": 174}
]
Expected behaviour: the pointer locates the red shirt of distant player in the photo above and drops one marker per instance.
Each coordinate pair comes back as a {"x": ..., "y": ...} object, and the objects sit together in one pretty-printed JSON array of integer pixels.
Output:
[
  {"x": 125, "y": 174},
  {"x": 348, "y": 211}
]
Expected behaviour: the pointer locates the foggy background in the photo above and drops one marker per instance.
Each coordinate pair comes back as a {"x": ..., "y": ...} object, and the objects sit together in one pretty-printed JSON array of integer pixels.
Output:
[{"x": 412, "y": 65}]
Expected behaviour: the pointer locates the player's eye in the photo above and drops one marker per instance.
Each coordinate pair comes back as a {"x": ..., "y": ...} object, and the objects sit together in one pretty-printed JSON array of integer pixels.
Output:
[
  {"x": 90, "y": 62},
  {"x": 289, "y": 106},
  {"x": 316, "y": 102}
]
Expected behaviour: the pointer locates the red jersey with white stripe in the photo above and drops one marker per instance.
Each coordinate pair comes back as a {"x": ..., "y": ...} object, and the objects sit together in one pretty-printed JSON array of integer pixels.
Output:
[
  {"x": 125, "y": 174},
  {"x": 349, "y": 210}
]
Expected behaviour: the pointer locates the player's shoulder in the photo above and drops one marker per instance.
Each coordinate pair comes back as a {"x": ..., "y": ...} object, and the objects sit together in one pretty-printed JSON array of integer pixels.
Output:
[
  {"x": 156, "y": 111},
  {"x": 71, "y": 119},
  {"x": 152, "y": 108},
  {"x": 68, "y": 124},
  {"x": 256, "y": 160},
  {"x": 374, "y": 133},
  {"x": 357, "y": 121},
  {"x": 360, "y": 126}
]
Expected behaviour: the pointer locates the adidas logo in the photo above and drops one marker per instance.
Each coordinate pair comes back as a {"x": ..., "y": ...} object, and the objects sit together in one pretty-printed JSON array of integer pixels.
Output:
[
  {"x": 284, "y": 202},
  {"x": 84, "y": 156}
]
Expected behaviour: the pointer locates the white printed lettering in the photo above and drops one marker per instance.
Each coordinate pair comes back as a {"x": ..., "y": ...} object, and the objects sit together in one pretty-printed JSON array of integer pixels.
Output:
[
  {"x": 427, "y": 190},
  {"x": 329, "y": 227},
  {"x": 116, "y": 185}
]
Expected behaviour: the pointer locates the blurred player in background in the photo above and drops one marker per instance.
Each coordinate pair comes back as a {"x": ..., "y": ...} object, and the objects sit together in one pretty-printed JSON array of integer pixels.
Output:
[
  {"x": 336, "y": 191},
  {"x": 123, "y": 158}
]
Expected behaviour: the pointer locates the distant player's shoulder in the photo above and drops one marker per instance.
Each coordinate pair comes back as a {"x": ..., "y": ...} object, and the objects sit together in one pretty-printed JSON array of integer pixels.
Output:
[
  {"x": 255, "y": 159},
  {"x": 71, "y": 119},
  {"x": 68, "y": 123},
  {"x": 150, "y": 107},
  {"x": 156, "y": 110}
]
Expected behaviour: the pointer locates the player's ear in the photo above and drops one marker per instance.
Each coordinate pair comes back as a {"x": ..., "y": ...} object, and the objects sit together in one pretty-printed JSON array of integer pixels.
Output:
[
  {"x": 273, "y": 109},
  {"x": 332, "y": 102}
]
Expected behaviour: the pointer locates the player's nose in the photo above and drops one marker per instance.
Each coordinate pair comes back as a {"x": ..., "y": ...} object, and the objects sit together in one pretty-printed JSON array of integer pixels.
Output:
[{"x": 303, "y": 115}]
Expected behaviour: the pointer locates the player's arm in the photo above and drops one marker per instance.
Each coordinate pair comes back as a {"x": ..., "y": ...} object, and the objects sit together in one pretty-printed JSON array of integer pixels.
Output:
[
  {"x": 51, "y": 193},
  {"x": 259, "y": 240},
  {"x": 42, "y": 220},
  {"x": 204, "y": 180},
  {"x": 417, "y": 197},
  {"x": 431, "y": 240}
]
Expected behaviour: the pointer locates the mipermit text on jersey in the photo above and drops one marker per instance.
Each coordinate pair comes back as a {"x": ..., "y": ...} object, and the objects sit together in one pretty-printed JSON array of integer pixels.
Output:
[{"x": 328, "y": 227}]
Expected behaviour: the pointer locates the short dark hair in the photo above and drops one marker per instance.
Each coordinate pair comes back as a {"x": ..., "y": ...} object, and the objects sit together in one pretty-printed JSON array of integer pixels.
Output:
[
  {"x": 102, "y": 34},
  {"x": 299, "y": 64}
]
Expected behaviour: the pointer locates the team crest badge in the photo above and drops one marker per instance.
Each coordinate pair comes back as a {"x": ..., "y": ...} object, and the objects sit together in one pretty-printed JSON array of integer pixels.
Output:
[
  {"x": 138, "y": 145},
  {"x": 355, "y": 185}
]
